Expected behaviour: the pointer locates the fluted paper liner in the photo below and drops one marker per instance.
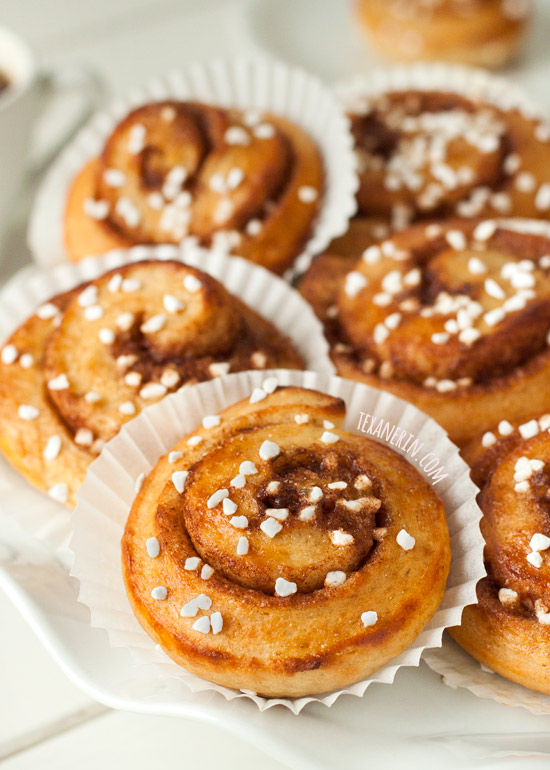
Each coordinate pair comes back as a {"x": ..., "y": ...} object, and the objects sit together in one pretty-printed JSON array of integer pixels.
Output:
[
  {"x": 459, "y": 669},
  {"x": 472, "y": 83},
  {"x": 267, "y": 294},
  {"x": 264, "y": 84},
  {"x": 107, "y": 494}
]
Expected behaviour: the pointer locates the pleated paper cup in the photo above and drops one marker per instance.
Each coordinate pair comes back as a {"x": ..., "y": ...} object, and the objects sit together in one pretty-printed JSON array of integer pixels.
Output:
[
  {"x": 355, "y": 93},
  {"x": 263, "y": 84},
  {"x": 106, "y": 497},
  {"x": 268, "y": 295},
  {"x": 459, "y": 669}
]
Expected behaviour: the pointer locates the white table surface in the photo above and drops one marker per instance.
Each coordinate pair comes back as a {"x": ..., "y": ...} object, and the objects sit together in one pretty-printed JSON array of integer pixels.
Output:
[{"x": 44, "y": 720}]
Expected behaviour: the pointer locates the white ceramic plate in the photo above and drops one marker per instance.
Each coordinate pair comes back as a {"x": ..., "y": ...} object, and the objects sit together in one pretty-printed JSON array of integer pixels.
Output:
[{"x": 417, "y": 722}]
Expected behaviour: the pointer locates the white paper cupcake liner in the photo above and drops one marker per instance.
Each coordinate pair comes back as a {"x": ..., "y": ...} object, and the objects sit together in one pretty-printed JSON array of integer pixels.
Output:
[
  {"x": 459, "y": 669},
  {"x": 476, "y": 84},
  {"x": 267, "y": 294},
  {"x": 107, "y": 494},
  {"x": 263, "y": 84}
]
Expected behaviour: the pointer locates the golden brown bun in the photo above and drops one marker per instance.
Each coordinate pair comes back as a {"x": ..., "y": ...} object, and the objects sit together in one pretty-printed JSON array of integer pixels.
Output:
[
  {"x": 508, "y": 630},
  {"x": 175, "y": 169},
  {"x": 314, "y": 636},
  {"x": 431, "y": 154},
  {"x": 411, "y": 317},
  {"x": 483, "y": 33},
  {"x": 106, "y": 349}
]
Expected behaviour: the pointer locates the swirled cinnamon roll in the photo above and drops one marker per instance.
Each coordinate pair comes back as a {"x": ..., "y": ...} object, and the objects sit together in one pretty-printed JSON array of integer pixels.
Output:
[
  {"x": 484, "y": 33},
  {"x": 435, "y": 154},
  {"x": 274, "y": 551},
  {"x": 509, "y": 628},
  {"x": 89, "y": 360},
  {"x": 171, "y": 170},
  {"x": 454, "y": 317}
]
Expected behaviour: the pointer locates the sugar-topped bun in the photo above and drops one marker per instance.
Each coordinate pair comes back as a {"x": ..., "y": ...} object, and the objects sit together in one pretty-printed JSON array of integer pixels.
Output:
[
  {"x": 89, "y": 360},
  {"x": 273, "y": 550},
  {"x": 485, "y": 33}
]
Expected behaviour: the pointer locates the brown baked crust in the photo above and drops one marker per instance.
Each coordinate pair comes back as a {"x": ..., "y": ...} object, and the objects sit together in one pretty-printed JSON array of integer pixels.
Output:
[
  {"x": 166, "y": 325},
  {"x": 509, "y": 632},
  {"x": 314, "y": 639},
  {"x": 501, "y": 369},
  {"x": 187, "y": 169},
  {"x": 482, "y": 33},
  {"x": 436, "y": 154}
]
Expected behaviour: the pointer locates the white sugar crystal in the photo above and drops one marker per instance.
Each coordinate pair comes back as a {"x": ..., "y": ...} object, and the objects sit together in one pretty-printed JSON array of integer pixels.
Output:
[
  {"x": 216, "y": 622},
  {"x": 337, "y": 485},
  {"x": 192, "y": 563},
  {"x": 206, "y": 572},
  {"x": 405, "y": 540},
  {"x": 504, "y": 428},
  {"x": 488, "y": 439},
  {"x": 316, "y": 494},
  {"x": 369, "y": 618},
  {"x": 268, "y": 450},
  {"x": 239, "y": 522},
  {"x": 229, "y": 506},
  {"x": 28, "y": 412},
  {"x": 9, "y": 354},
  {"x": 539, "y": 542},
  {"x": 202, "y": 625},
  {"x": 307, "y": 194},
  {"x": 339, "y": 537},
  {"x": 84, "y": 437},
  {"x": 507, "y": 597},
  {"x": 211, "y": 421},
  {"x": 152, "y": 546},
  {"x": 285, "y": 587},
  {"x": 107, "y": 336},
  {"x": 258, "y": 394},
  {"x": 159, "y": 592},
  {"x": 529, "y": 429},
  {"x": 307, "y": 513},
  {"x": 535, "y": 559},
  {"x": 59, "y": 383},
  {"x": 127, "y": 408},
  {"x": 217, "y": 497},
  {"x": 154, "y": 324},
  {"x": 152, "y": 390},
  {"x": 277, "y": 513},
  {"x": 335, "y": 579},
  {"x": 88, "y": 296},
  {"x": 172, "y": 304},
  {"x": 178, "y": 480},
  {"x": 47, "y": 311},
  {"x": 476, "y": 266},
  {"x": 329, "y": 438},
  {"x": 192, "y": 284},
  {"x": 355, "y": 283},
  {"x": 59, "y": 492},
  {"x": 242, "y": 546},
  {"x": 52, "y": 448},
  {"x": 271, "y": 527}
]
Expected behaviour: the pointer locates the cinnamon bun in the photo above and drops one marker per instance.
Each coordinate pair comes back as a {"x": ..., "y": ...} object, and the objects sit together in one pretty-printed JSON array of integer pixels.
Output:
[
  {"x": 427, "y": 154},
  {"x": 452, "y": 316},
  {"x": 171, "y": 169},
  {"x": 509, "y": 628},
  {"x": 484, "y": 33},
  {"x": 90, "y": 359},
  {"x": 274, "y": 551}
]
